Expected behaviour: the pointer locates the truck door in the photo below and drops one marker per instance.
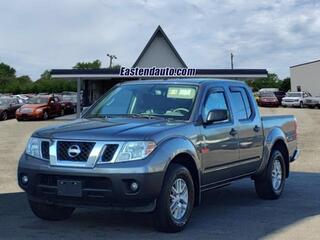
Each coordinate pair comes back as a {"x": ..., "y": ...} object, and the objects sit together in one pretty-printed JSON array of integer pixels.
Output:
[
  {"x": 220, "y": 144},
  {"x": 57, "y": 105},
  {"x": 249, "y": 130}
]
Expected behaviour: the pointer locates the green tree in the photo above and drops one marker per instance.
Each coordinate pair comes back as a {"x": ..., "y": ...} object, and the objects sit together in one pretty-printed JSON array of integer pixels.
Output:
[
  {"x": 7, "y": 74},
  {"x": 7, "y": 71},
  {"x": 271, "y": 81},
  {"x": 285, "y": 84},
  {"x": 88, "y": 65}
]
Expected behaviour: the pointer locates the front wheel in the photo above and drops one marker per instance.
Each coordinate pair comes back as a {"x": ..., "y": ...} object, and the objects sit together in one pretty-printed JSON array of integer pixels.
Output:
[
  {"x": 50, "y": 212},
  {"x": 301, "y": 105},
  {"x": 271, "y": 185},
  {"x": 175, "y": 204},
  {"x": 4, "y": 116}
]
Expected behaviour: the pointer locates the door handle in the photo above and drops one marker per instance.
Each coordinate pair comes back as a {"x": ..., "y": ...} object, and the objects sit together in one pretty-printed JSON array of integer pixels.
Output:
[
  {"x": 233, "y": 132},
  {"x": 256, "y": 128}
]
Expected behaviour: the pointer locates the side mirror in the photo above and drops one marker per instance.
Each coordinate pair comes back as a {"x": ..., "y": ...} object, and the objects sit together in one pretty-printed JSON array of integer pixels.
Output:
[{"x": 217, "y": 115}]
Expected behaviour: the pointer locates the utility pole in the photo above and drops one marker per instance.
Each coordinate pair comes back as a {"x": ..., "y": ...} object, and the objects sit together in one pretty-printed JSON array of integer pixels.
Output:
[
  {"x": 231, "y": 60},
  {"x": 111, "y": 58}
]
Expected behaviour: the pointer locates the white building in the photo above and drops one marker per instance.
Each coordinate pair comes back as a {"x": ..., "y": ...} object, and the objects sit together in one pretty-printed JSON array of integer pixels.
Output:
[{"x": 306, "y": 77}]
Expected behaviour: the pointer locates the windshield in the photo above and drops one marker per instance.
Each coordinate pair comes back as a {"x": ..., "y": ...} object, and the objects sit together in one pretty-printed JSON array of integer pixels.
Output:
[
  {"x": 147, "y": 100},
  {"x": 294, "y": 94},
  {"x": 267, "y": 94},
  {"x": 38, "y": 100},
  {"x": 69, "y": 98},
  {"x": 4, "y": 101}
]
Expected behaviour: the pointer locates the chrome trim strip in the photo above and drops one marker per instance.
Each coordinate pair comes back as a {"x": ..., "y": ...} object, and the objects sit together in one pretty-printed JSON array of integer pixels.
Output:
[{"x": 44, "y": 140}]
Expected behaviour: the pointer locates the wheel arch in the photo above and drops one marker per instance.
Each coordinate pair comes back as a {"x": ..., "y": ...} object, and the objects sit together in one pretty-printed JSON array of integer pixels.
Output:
[
  {"x": 275, "y": 139},
  {"x": 186, "y": 160},
  {"x": 182, "y": 151}
]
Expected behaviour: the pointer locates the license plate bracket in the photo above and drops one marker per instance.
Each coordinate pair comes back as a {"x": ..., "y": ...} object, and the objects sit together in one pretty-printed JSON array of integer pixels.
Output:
[{"x": 69, "y": 188}]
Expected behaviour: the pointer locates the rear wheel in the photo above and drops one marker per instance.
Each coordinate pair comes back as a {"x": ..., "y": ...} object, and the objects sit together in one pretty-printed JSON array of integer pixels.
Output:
[
  {"x": 271, "y": 185},
  {"x": 176, "y": 200},
  {"x": 4, "y": 116},
  {"x": 50, "y": 212}
]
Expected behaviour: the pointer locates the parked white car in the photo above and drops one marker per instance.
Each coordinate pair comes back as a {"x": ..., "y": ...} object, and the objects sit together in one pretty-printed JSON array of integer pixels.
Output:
[
  {"x": 295, "y": 99},
  {"x": 312, "y": 102}
]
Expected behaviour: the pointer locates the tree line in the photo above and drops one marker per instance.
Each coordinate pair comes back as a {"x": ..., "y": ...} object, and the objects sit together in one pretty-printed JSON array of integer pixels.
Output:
[{"x": 10, "y": 83}]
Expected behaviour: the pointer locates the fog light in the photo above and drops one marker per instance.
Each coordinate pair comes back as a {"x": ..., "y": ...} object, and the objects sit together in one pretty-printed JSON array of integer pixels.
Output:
[
  {"x": 134, "y": 186},
  {"x": 24, "y": 179}
]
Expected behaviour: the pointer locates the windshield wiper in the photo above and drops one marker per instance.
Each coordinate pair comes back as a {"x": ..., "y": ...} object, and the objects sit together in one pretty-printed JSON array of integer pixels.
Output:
[
  {"x": 140, "y": 115},
  {"x": 134, "y": 115}
]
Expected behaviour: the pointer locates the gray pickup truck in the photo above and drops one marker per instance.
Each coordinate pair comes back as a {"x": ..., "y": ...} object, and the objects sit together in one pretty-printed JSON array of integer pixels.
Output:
[{"x": 156, "y": 146}]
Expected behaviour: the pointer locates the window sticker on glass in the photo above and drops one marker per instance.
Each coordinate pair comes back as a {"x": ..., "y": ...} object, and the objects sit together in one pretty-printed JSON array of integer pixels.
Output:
[{"x": 181, "y": 92}]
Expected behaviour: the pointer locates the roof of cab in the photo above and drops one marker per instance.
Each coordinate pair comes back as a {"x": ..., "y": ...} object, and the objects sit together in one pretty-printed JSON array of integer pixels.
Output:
[{"x": 191, "y": 81}]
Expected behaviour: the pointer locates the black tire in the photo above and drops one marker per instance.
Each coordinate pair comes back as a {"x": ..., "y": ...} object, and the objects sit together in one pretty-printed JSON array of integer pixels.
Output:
[
  {"x": 264, "y": 185},
  {"x": 163, "y": 218},
  {"x": 4, "y": 116},
  {"x": 45, "y": 115},
  {"x": 301, "y": 105},
  {"x": 50, "y": 212}
]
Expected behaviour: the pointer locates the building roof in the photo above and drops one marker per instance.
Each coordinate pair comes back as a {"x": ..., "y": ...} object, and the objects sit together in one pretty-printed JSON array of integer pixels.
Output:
[
  {"x": 298, "y": 65},
  {"x": 159, "y": 32}
]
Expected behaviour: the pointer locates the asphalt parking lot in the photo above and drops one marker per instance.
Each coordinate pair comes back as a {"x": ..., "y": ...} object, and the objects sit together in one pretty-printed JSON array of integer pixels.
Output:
[{"x": 233, "y": 212}]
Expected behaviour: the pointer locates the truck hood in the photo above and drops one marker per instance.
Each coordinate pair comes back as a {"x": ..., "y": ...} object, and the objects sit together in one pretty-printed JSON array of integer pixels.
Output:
[
  {"x": 116, "y": 129},
  {"x": 33, "y": 106}
]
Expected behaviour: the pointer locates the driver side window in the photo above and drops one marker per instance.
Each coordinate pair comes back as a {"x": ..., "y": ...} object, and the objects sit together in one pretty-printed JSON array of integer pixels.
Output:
[{"x": 215, "y": 100}]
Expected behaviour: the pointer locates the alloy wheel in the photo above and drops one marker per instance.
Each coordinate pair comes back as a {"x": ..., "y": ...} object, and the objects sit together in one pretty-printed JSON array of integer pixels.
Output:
[
  {"x": 179, "y": 199},
  {"x": 276, "y": 175}
]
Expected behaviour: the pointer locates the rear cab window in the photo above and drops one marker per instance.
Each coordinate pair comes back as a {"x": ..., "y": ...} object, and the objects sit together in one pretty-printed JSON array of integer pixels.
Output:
[{"x": 241, "y": 100}]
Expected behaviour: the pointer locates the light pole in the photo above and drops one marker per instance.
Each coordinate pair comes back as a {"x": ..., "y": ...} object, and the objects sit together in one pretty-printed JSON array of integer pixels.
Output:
[
  {"x": 231, "y": 56},
  {"x": 111, "y": 58}
]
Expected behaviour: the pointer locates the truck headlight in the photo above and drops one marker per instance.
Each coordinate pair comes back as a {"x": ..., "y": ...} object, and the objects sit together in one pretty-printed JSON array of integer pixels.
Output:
[
  {"x": 33, "y": 147},
  {"x": 137, "y": 150},
  {"x": 39, "y": 110}
]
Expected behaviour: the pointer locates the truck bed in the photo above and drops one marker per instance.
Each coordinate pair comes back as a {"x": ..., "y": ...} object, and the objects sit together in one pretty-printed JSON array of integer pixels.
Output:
[{"x": 287, "y": 123}]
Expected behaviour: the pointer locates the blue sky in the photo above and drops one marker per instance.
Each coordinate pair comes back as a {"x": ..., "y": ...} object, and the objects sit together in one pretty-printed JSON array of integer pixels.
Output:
[{"x": 272, "y": 34}]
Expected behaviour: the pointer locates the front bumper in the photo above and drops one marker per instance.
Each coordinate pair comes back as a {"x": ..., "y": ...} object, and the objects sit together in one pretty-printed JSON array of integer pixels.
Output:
[
  {"x": 295, "y": 155},
  {"x": 29, "y": 116},
  {"x": 108, "y": 187},
  {"x": 269, "y": 104},
  {"x": 291, "y": 104}
]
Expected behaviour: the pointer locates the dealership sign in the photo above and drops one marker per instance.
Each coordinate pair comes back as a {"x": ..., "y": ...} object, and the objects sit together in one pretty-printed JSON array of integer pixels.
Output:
[{"x": 157, "y": 72}]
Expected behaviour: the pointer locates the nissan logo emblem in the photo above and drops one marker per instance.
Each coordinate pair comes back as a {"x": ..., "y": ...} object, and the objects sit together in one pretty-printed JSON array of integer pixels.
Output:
[{"x": 74, "y": 151}]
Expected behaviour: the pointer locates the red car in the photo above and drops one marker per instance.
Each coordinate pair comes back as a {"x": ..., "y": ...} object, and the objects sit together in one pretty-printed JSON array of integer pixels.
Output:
[
  {"x": 40, "y": 107},
  {"x": 268, "y": 99}
]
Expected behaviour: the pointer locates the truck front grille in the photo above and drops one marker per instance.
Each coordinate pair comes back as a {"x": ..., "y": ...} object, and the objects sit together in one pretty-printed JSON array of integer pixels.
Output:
[
  {"x": 109, "y": 152},
  {"x": 63, "y": 150},
  {"x": 45, "y": 150}
]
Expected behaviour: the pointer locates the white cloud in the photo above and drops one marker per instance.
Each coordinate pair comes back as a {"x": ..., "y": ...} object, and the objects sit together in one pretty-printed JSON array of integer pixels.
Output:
[{"x": 272, "y": 34}]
